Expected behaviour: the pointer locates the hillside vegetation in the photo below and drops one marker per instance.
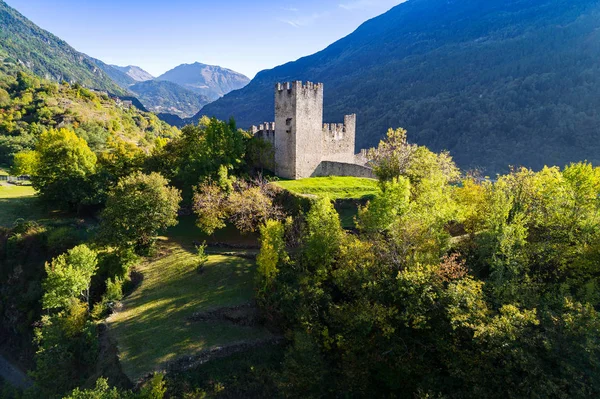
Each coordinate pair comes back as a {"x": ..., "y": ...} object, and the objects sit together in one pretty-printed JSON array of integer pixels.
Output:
[
  {"x": 48, "y": 56},
  {"x": 496, "y": 82},
  {"x": 29, "y": 105}
]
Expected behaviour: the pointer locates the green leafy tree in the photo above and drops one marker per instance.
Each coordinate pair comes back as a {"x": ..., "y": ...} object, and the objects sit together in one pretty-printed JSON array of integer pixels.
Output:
[
  {"x": 201, "y": 151},
  {"x": 25, "y": 163},
  {"x": 380, "y": 213},
  {"x": 272, "y": 252},
  {"x": 393, "y": 156},
  {"x": 101, "y": 391},
  {"x": 210, "y": 206},
  {"x": 66, "y": 349},
  {"x": 4, "y": 98},
  {"x": 323, "y": 236},
  {"x": 69, "y": 276},
  {"x": 64, "y": 167},
  {"x": 137, "y": 208}
]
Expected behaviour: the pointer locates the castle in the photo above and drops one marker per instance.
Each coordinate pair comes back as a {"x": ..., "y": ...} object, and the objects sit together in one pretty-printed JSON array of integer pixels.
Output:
[{"x": 304, "y": 146}]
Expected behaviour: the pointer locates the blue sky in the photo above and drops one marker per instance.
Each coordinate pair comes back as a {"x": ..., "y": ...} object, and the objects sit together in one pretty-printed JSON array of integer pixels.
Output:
[{"x": 246, "y": 36}]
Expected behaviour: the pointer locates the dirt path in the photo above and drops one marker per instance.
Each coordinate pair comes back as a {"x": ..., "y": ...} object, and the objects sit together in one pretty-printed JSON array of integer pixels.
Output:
[{"x": 13, "y": 375}]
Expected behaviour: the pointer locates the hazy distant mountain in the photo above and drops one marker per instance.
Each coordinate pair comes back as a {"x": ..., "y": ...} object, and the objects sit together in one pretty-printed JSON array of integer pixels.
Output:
[
  {"x": 135, "y": 73},
  {"x": 211, "y": 81},
  {"x": 169, "y": 98},
  {"x": 48, "y": 56},
  {"x": 156, "y": 96},
  {"x": 119, "y": 77},
  {"x": 496, "y": 82}
]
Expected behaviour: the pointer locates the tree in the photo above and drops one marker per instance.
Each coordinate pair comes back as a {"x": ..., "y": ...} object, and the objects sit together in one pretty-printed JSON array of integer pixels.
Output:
[
  {"x": 201, "y": 151},
  {"x": 69, "y": 276},
  {"x": 380, "y": 213},
  {"x": 272, "y": 252},
  {"x": 323, "y": 235},
  {"x": 210, "y": 206},
  {"x": 246, "y": 204},
  {"x": 100, "y": 391},
  {"x": 393, "y": 155},
  {"x": 67, "y": 348},
  {"x": 25, "y": 163},
  {"x": 65, "y": 164},
  {"x": 136, "y": 208},
  {"x": 4, "y": 98}
]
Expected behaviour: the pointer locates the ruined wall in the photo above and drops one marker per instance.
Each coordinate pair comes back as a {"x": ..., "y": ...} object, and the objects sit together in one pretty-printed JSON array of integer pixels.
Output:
[
  {"x": 330, "y": 168},
  {"x": 338, "y": 140}
]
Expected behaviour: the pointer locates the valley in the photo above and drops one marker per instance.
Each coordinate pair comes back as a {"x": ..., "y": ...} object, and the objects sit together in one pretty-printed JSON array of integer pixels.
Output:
[{"x": 411, "y": 209}]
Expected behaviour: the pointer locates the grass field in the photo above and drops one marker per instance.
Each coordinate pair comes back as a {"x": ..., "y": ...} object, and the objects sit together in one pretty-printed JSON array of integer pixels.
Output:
[
  {"x": 152, "y": 327},
  {"x": 335, "y": 187},
  {"x": 17, "y": 202}
]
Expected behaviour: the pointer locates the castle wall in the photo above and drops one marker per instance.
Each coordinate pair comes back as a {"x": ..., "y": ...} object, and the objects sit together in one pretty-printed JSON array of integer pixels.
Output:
[
  {"x": 330, "y": 168},
  {"x": 265, "y": 131},
  {"x": 338, "y": 140}
]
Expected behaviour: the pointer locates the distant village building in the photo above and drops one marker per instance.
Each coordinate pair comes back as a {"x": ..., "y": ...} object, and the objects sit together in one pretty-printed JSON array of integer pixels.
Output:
[{"x": 304, "y": 146}]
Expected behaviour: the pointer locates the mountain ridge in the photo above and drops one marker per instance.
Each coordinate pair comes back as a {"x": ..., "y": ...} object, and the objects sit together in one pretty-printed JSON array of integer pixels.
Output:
[
  {"x": 134, "y": 72},
  {"x": 478, "y": 78},
  {"x": 213, "y": 81},
  {"x": 47, "y": 55}
]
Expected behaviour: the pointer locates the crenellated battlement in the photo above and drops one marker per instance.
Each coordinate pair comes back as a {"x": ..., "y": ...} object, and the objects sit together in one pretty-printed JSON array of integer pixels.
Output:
[
  {"x": 298, "y": 86},
  {"x": 335, "y": 131},
  {"x": 265, "y": 131}
]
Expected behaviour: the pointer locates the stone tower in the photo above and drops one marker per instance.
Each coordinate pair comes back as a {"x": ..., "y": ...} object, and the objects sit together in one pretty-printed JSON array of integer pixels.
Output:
[
  {"x": 298, "y": 129},
  {"x": 303, "y": 145}
]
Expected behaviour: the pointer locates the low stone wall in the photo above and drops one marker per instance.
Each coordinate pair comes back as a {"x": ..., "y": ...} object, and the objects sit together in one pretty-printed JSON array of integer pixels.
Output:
[{"x": 330, "y": 168}]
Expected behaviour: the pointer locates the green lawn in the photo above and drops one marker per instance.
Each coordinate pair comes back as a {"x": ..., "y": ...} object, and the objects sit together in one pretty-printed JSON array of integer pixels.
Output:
[
  {"x": 152, "y": 327},
  {"x": 17, "y": 202},
  {"x": 335, "y": 187}
]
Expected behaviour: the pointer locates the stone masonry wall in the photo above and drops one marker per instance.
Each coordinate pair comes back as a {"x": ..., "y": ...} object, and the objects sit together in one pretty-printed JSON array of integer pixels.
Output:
[
  {"x": 338, "y": 140},
  {"x": 285, "y": 131},
  {"x": 329, "y": 168},
  {"x": 309, "y": 127}
]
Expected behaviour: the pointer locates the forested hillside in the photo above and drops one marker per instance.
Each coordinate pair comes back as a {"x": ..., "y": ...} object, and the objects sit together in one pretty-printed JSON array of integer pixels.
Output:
[
  {"x": 48, "y": 56},
  {"x": 496, "y": 82},
  {"x": 29, "y": 105}
]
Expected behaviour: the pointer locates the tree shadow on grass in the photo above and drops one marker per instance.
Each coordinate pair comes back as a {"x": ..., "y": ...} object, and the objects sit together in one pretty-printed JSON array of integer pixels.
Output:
[{"x": 154, "y": 325}]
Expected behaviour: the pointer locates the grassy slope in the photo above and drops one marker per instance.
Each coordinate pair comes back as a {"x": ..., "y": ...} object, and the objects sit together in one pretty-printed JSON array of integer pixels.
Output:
[
  {"x": 152, "y": 327},
  {"x": 17, "y": 202},
  {"x": 335, "y": 187}
]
